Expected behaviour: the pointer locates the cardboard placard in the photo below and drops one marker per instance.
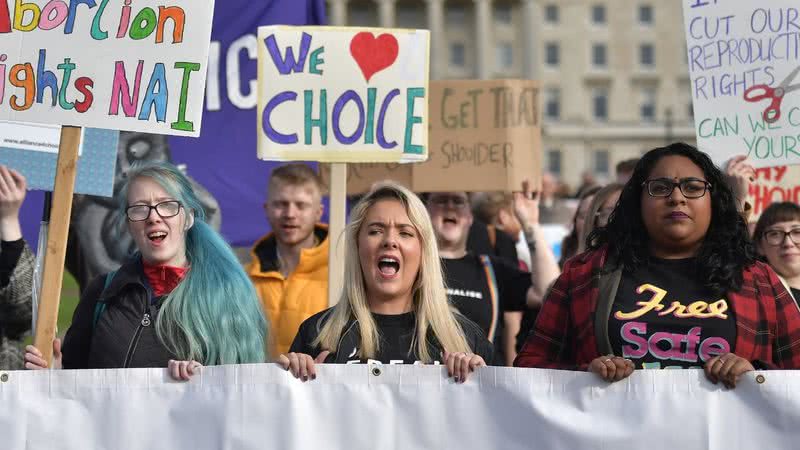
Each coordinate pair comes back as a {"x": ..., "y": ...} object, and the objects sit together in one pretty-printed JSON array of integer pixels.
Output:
[
  {"x": 361, "y": 177},
  {"x": 772, "y": 185},
  {"x": 740, "y": 53},
  {"x": 113, "y": 64},
  {"x": 342, "y": 94}
]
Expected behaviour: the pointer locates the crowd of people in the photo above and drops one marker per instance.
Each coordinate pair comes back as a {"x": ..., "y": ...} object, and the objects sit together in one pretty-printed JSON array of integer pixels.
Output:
[{"x": 659, "y": 270}]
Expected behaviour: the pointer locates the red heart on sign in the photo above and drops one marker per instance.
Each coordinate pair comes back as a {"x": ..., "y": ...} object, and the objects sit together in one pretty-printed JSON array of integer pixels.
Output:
[{"x": 373, "y": 54}]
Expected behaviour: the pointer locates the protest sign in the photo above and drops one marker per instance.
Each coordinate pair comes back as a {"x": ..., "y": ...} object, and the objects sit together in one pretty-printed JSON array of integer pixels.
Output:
[
  {"x": 771, "y": 185},
  {"x": 361, "y": 177},
  {"x": 744, "y": 66},
  {"x": 395, "y": 406},
  {"x": 485, "y": 136},
  {"x": 342, "y": 94},
  {"x": 109, "y": 64},
  {"x": 33, "y": 150}
]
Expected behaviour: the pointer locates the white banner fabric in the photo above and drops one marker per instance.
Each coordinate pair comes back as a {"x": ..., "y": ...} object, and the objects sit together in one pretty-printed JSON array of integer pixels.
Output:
[{"x": 394, "y": 407}]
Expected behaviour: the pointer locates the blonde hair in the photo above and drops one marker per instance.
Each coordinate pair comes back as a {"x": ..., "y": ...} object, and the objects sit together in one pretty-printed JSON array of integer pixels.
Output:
[
  {"x": 430, "y": 303},
  {"x": 590, "y": 221}
]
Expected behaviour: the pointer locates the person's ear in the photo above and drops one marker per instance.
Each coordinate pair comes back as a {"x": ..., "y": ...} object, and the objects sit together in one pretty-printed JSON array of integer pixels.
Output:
[
  {"x": 189, "y": 221},
  {"x": 320, "y": 211}
]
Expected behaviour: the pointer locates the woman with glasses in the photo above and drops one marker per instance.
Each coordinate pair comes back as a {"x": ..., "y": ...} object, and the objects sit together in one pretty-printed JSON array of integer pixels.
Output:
[
  {"x": 777, "y": 236},
  {"x": 182, "y": 301},
  {"x": 600, "y": 209},
  {"x": 671, "y": 282}
]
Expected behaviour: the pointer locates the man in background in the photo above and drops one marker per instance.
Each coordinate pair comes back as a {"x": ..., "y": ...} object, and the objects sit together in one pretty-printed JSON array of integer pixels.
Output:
[{"x": 289, "y": 266}]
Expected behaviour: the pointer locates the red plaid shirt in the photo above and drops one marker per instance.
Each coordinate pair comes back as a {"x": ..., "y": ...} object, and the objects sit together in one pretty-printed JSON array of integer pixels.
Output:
[{"x": 564, "y": 337}]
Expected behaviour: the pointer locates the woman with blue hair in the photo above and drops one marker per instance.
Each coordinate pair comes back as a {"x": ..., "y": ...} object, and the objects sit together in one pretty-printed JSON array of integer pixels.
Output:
[{"x": 182, "y": 301}]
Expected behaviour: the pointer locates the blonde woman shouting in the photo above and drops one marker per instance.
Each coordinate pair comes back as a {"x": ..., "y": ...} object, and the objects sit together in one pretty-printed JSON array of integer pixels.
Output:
[{"x": 393, "y": 308}]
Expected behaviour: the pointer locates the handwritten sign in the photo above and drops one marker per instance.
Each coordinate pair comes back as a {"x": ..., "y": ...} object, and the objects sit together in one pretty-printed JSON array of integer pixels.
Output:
[
  {"x": 744, "y": 65},
  {"x": 342, "y": 94},
  {"x": 773, "y": 184},
  {"x": 361, "y": 176},
  {"x": 115, "y": 64},
  {"x": 485, "y": 136}
]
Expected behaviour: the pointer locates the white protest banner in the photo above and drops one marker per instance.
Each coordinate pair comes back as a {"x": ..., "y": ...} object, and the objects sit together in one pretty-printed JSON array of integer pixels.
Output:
[
  {"x": 399, "y": 407},
  {"x": 744, "y": 65},
  {"x": 342, "y": 94},
  {"x": 772, "y": 185},
  {"x": 114, "y": 64}
]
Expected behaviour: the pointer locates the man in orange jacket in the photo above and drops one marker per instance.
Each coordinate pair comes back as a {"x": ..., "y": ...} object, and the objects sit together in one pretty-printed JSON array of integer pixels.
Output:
[{"x": 289, "y": 266}]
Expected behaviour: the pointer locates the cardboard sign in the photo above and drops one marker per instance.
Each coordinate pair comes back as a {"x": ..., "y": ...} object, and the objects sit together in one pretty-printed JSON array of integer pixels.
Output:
[
  {"x": 33, "y": 150},
  {"x": 113, "y": 64},
  {"x": 485, "y": 136},
  {"x": 744, "y": 67},
  {"x": 342, "y": 94},
  {"x": 361, "y": 177},
  {"x": 772, "y": 185}
]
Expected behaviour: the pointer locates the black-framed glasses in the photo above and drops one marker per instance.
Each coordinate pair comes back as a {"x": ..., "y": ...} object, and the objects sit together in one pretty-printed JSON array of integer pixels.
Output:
[
  {"x": 690, "y": 187},
  {"x": 441, "y": 201},
  {"x": 777, "y": 237},
  {"x": 166, "y": 209}
]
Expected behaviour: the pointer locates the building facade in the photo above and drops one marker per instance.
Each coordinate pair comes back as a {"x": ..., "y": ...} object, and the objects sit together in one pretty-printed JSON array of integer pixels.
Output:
[{"x": 615, "y": 80}]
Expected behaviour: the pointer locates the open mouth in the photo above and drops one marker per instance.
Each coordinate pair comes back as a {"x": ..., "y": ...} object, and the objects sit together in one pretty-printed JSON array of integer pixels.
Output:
[
  {"x": 157, "y": 236},
  {"x": 450, "y": 220},
  {"x": 389, "y": 266}
]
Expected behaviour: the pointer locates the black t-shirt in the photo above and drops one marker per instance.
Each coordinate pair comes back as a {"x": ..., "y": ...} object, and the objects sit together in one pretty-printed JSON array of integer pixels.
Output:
[
  {"x": 796, "y": 294},
  {"x": 469, "y": 288},
  {"x": 663, "y": 317},
  {"x": 396, "y": 334}
]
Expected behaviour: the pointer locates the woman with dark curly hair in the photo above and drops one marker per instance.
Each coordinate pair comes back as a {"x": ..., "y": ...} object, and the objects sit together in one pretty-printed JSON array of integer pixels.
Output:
[{"x": 671, "y": 282}]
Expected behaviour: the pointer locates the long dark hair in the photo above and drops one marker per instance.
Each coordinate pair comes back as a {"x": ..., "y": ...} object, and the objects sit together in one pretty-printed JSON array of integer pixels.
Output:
[
  {"x": 571, "y": 242},
  {"x": 726, "y": 249}
]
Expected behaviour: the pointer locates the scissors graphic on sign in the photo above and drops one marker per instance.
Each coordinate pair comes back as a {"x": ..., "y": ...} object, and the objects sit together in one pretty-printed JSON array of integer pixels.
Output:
[{"x": 762, "y": 91}]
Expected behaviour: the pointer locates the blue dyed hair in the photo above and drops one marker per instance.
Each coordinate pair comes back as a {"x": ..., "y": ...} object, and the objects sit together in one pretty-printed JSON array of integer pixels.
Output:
[{"x": 213, "y": 316}]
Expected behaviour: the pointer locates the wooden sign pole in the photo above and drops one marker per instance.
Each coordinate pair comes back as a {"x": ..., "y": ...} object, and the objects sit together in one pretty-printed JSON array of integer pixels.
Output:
[
  {"x": 57, "y": 240},
  {"x": 338, "y": 213}
]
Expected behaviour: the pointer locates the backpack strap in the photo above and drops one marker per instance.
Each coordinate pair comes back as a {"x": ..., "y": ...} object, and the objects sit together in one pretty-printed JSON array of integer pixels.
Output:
[
  {"x": 491, "y": 281},
  {"x": 101, "y": 304}
]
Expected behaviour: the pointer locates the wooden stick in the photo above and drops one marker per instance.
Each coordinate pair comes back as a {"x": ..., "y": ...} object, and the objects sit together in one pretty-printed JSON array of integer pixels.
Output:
[
  {"x": 57, "y": 240},
  {"x": 338, "y": 212}
]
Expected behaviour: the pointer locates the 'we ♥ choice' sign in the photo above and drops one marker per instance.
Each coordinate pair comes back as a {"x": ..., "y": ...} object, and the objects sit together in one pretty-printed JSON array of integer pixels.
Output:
[{"x": 342, "y": 94}]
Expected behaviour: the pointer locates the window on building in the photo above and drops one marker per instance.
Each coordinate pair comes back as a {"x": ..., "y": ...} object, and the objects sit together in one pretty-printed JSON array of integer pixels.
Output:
[
  {"x": 647, "y": 105},
  {"x": 456, "y": 15},
  {"x": 600, "y": 104},
  {"x": 599, "y": 55},
  {"x": 502, "y": 13},
  {"x": 599, "y": 14},
  {"x": 552, "y": 103},
  {"x": 647, "y": 55},
  {"x": 360, "y": 17},
  {"x": 646, "y": 14},
  {"x": 457, "y": 54},
  {"x": 504, "y": 52},
  {"x": 554, "y": 162},
  {"x": 601, "y": 162},
  {"x": 551, "y": 14},
  {"x": 552, "y": 55},
  {"x": 409, "y": 17}
]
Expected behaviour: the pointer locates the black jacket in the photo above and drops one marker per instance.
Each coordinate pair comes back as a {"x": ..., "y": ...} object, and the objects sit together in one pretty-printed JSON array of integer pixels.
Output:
[
  {"x": 350, "y": 339},
  {"x": 124, "y": 335}
]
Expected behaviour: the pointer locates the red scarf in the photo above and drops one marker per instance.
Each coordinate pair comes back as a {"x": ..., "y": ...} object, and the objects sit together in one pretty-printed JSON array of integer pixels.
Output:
[{"x": 163, "y": 279}]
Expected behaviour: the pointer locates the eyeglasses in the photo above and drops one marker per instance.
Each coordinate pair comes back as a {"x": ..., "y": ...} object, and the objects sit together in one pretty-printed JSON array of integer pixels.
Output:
[
  {"x": 167, "y": 209},
  {"x": 690, "y": 187},
  {"x": 443, "y": 201},
  {"x": 778, "y": 237}
]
